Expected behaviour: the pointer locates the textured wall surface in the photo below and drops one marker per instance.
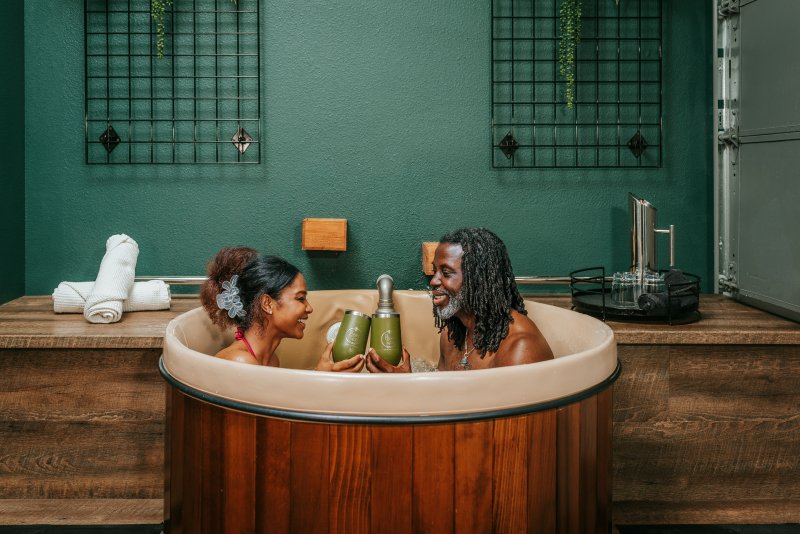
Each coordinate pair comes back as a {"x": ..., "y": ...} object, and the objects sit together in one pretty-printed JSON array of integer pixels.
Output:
[
  {"x": 12, "y": 152},
  {"x": 378, "y": 113}
]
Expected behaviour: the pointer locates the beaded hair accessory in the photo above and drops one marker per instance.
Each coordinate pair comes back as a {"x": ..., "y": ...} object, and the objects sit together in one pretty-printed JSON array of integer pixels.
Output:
[{"x": 229, "y": 299}]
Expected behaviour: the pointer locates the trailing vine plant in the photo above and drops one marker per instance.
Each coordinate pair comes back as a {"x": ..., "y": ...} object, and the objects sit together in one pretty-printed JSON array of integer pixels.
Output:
[
  {"x": 158, "y": 8},
  {"x": 569, "y": 26}
]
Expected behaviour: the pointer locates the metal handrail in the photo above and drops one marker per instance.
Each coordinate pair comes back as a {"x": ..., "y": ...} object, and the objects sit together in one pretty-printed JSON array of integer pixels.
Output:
[{"x": 198, "y": 280}]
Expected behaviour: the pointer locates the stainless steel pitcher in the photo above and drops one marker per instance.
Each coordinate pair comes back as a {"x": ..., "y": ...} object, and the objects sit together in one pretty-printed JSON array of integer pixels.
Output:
[{"x": 643, "y": 237}]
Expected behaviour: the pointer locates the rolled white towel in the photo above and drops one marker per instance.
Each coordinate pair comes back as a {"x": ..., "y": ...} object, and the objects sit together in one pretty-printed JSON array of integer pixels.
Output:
[
  {"x": 70, "y": 297},
  {"x": 114, "y": 280}
]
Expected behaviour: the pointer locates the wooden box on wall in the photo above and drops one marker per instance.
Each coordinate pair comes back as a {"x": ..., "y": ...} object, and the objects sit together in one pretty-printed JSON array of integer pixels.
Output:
[{"x": 325, "y": 234}]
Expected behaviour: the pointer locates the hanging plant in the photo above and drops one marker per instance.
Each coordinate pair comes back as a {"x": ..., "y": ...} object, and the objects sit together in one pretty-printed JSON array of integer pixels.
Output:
[
  {"x": 158, "y": 9},
  {"x": 569, "y": 27}
]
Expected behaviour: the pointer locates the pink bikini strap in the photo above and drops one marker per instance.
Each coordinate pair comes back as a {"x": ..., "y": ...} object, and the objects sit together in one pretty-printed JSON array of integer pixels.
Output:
[{"x": 240, "y": 335}]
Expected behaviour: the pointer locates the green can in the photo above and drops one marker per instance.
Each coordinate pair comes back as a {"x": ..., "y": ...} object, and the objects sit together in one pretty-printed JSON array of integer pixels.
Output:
[
  {"x": 352, "y": 336},
  {"x": 386, "y": 338}
]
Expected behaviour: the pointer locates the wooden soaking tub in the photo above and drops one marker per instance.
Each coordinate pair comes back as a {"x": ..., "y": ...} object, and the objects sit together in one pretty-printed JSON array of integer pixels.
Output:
[{"x": 525, "y": 448}]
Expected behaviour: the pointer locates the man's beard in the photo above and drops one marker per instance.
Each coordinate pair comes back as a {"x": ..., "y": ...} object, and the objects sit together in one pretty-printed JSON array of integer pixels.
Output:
[{"x": 455, "y": 301}]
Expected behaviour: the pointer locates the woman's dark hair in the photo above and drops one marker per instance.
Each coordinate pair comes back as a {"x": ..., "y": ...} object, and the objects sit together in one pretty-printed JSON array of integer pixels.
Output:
[
  {"x": 488, "y": 289},
  {"x": 258, "y": 275}
]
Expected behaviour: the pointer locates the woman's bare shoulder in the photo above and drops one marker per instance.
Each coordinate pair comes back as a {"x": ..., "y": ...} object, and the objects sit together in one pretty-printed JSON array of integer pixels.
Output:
[{"x": 235, "y": 354}]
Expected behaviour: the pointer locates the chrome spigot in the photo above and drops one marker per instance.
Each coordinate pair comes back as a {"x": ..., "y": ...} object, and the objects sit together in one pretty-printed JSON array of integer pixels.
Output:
[{"x": 385, "y": 285}]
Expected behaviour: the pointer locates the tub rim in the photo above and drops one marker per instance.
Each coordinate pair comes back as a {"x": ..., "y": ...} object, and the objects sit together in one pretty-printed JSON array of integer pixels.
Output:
[{"x": 421, "y": 419}]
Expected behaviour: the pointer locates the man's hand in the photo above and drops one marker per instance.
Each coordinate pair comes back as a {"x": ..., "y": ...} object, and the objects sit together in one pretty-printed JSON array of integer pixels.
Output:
[
  {"x": 376, "y": 364},
  {"x": 326, "y": 363}
]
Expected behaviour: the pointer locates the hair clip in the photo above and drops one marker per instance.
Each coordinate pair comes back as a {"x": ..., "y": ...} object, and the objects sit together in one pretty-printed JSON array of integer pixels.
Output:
[{"x": 229, "y": 299}]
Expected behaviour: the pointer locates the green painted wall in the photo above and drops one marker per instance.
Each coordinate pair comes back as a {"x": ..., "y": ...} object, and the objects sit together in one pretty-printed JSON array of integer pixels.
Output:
[
  {"x": 372, "y": 111},
  {"x": 12, "y": 152}
]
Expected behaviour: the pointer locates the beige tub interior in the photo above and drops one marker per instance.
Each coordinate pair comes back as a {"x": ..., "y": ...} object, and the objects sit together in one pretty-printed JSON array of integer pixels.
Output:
[{"x": 585, "y": 349}]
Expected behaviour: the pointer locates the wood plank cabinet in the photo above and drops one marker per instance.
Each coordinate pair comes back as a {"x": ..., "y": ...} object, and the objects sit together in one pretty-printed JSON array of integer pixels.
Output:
[{"x": 706, "y": 424}]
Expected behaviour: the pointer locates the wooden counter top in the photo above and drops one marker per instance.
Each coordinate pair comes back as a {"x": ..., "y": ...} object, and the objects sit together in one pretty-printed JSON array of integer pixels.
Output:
[{"x": 29, "y": 322}]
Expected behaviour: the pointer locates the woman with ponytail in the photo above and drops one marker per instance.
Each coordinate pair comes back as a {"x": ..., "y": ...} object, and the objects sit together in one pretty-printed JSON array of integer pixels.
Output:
[{"x": 266, "y": 299}]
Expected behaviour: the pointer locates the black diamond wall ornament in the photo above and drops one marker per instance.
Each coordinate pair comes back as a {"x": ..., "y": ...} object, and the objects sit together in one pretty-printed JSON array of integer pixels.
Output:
[
  {"x": 110, "y": 139},
  {"x": 241, "y": 140},
  {"x": 508, "y": 145},
  {"x": 637, "y": 144}
]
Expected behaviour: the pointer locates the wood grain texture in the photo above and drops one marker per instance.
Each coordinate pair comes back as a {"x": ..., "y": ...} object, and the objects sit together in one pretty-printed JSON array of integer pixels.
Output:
[
  {"x": 310, "y": 464},
  {"x": 433, "y": 484},
  {"x": 588, "y": 461},
  {"x": 29, "y": 322},
  {"x": 428, "y": 252},
  {"x": 605, "y": 403},
  {"x": 730, "y": 433},
  {"x": 349, "y": 479},
  {"x": 325, "y": 234},
  {"x": 489, "y": 476},
  {"x": 239, "y": 476},
  {"x": 474, "y": 469},
  {"x": 391, "y": 467},
  {"x": 510, "y": 500},
  {"x": 734, "y": 383},
  {"x": 642, "y": 389},
  {"x": 81, "y": 424},
  {"x": 761, "y": 512},
  {"x": 568, "y": 458},
  {"x": 542, "y": 481},
  {"x": 174, "y": 447},
  {"x": 81, "y": 511},
  {"x": 273, "y": 475}
]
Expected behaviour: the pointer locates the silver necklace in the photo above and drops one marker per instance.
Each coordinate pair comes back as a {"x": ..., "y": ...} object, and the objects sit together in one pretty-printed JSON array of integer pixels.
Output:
[{"x": 464, "y": 362}]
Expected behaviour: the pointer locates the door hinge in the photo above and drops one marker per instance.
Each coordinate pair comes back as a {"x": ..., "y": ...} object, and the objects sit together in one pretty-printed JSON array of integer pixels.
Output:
[
  {"x": 727, "y": 8},
  {"x": 727, "y": 284},
  {"x": 729, "y": 137}
]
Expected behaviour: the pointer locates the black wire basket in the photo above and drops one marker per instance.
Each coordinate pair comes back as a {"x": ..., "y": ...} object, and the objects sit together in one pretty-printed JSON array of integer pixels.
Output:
[{"x": 678, "y": 304}]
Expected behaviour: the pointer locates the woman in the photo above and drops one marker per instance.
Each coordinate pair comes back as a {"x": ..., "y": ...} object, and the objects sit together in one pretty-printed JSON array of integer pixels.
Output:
[{"x": 265, "y": 298}]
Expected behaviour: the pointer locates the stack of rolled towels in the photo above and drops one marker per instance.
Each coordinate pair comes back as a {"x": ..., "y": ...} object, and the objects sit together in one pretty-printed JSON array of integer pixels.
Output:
[{"x": 114, "y": 290}]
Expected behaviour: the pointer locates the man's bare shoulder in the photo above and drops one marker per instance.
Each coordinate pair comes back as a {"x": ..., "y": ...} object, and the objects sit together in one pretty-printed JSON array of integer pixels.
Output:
[{"x": 523, "y": 344}]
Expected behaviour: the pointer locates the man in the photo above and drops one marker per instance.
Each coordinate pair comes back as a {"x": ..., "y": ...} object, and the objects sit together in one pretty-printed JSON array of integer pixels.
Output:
[{"x": 477, "y": 308}]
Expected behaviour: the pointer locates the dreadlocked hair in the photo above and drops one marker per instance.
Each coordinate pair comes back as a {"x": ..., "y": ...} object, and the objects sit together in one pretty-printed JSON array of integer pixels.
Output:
[
  {"x": 258, "y": 276},
  {"x": 488, "y": 289}
]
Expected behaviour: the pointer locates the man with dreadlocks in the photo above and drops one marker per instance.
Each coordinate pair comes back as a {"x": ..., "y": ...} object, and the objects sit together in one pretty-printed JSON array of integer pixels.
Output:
[{"x": 477, "y": 308}]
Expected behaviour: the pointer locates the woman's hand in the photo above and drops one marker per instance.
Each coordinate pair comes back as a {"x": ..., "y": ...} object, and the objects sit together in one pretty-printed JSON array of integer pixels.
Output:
[
  {"x": 326, "y": 363},
  {"x": 376, "y": 364}
]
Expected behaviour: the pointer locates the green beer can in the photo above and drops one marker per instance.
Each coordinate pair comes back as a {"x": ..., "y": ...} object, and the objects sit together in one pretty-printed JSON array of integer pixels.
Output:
[
  {"x": 386, "y": 338},
  {"x": 352, "y": 336}
]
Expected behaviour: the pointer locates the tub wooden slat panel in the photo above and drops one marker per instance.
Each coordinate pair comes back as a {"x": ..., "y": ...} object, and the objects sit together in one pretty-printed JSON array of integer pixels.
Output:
[
  {"x": 391, "y": 466},
  {"x": 588, "y": 462},
  {"x": 511, "y": 439},
  {"x": 273, "y": 450},
  {"x": 349, "y": 479},
  {"x": 212, "y": 467},
  {"x": 604, "y": 458},
  {"x": 239, "y": 477},
  {"x": 568, "y": 465},
  {"x": 542, "y": 473},
  {"x": 192, "y": 472},
  {"x": 474, "y": 462},
  {"x": 433, "y": 483},
  {"x": 173, "y": 491},
  {"x": 310, "y": 464}
]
